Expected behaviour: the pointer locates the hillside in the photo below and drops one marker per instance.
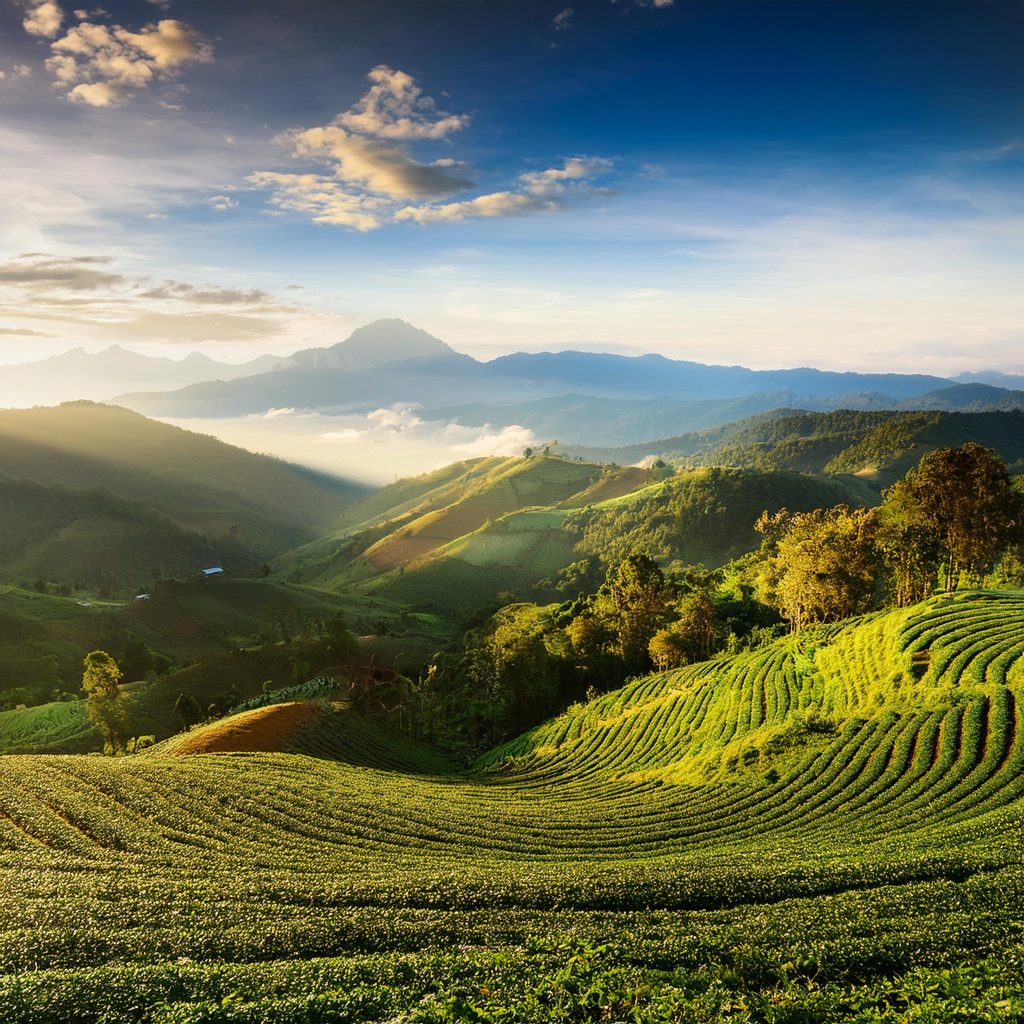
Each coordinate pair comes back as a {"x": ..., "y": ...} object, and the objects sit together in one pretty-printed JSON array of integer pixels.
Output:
[
  {"x": 775, "y": 829},
  {"x": 331, "y": 731},
  {"x": 879, "y": 445},
  {"x": 453, "y": 540},
  {"x": 174, "y": 500}
]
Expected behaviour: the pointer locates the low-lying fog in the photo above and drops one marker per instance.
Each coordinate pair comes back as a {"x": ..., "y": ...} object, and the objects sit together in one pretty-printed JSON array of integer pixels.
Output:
[{"x": 374, "y": 448}]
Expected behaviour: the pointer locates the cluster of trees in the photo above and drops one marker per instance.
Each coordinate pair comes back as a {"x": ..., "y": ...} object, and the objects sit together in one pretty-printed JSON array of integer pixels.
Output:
[
  {"x": 947, "y": 523},
  {"x": 527, "y": 662}
]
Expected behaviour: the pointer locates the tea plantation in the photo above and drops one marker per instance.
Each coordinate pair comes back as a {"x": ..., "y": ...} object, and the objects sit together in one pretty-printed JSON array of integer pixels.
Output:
[{"x": 828, "y": 828}]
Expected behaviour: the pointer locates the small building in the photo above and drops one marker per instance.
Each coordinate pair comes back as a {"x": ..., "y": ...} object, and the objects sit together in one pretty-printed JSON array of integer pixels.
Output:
[
  {"x": 142, "y": 597},
  {"x": 212, "y": 572}
]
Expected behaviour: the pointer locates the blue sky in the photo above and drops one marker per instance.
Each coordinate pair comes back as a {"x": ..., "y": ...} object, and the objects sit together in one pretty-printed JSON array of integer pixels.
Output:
[{"x": 774, "y": 184}]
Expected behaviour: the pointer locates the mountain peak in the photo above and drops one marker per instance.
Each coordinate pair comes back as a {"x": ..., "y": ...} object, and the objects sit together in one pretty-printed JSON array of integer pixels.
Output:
[{"x": 389, "y": 341}]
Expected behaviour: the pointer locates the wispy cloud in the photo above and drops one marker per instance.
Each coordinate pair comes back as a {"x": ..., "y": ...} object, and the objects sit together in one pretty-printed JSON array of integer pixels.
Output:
[
  {"x": 79, "y": 273},
  {"x": 27, "y": 332},
  {"x": 553, "y": 189},
  {"x": 180, "y": 291}
]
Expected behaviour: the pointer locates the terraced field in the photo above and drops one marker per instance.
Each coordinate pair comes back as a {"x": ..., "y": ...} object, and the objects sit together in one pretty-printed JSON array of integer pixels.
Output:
[{"x": 824, "y": 829}]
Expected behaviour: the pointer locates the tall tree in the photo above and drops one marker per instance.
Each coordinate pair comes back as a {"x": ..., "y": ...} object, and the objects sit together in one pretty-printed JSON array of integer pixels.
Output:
[
  {"x": 964, "y": 497},
  {"x": 101, "y": 683},
  {"x": 824, "y": 564},
  {"x": 634, "y": 601},
  {"x": 908, "y": 544}
]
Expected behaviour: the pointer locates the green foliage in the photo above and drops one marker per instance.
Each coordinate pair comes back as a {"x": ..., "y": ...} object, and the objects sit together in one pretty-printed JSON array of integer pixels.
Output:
[
  {"x": 964, "y": 498},
  {"x": 101, "y": 683},
  {"x": 703, "y": 516},
  {"x": 807, "y": 832},
  {"x": 822, "y": 565}
]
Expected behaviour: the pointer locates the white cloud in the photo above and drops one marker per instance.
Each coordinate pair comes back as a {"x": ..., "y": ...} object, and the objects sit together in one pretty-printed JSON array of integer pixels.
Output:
[
  {"x": 395, "y": 108},
  {"x": 222, "y": 203},
  {"x": 563, "y": 19},
  {"x": 322, "y": 198},
  {"x": 102, "y": 66},
  {"x": 375, "y": 180},
  {"x": 43, "y": 19}
]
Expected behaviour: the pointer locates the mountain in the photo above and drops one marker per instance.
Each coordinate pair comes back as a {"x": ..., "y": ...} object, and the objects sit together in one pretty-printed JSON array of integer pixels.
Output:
[
  {"x": 972, "y": 397},
  {"x": 1014, "y": 381},
  {"x": 377, "y": 344},
  {"x": 657, "y": 376},
  {"x": 390, "y": 361},
  {"x": 87, "y": 485},
  {"x": 78, "y": 374}
]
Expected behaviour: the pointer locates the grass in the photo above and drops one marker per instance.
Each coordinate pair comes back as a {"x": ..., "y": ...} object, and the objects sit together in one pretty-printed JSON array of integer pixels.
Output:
[{"x": 823, "y": 829}]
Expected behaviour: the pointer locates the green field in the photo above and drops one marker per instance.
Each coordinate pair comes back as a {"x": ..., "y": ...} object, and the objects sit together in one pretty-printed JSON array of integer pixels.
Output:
[{"x": 827, "y": 828}]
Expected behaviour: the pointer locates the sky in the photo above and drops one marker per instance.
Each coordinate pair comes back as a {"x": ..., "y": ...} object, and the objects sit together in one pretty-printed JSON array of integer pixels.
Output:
[{"x": 834, "y": 183}]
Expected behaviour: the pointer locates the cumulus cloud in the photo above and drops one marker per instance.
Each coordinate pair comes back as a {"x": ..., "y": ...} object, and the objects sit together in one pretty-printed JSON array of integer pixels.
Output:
[
  {"x": 377, "y": 166},
  {"x": 43, "y": 19},
  {"x": 550, "y": 190},
  {"x": 373, "y": 178},
  {"x": 74, "y": 274},
  {"x": 400, "y": 424},
  {"x": 102, "y": 66},
  {"x": 395, "y": 108}
]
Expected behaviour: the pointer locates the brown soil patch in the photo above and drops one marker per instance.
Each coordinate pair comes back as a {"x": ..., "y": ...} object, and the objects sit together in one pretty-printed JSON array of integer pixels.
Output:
[{"x": 264, "y": 729}]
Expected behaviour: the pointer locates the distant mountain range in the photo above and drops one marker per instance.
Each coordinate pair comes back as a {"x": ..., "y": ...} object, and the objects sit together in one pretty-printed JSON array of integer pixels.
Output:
[
  {"x": 579, "y": 397},
  {"x": 78, "y": 374}
]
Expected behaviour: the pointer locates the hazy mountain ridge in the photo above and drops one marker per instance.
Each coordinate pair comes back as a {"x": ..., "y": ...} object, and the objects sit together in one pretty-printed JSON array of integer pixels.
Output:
[
  {"x": 78, "y": 374},
  {"x": 105, "y": 476},
  {"x": 390, "y": 361}
]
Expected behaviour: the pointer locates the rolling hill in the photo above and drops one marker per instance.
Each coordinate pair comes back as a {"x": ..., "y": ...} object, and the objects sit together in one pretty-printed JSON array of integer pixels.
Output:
[
  {"x": 826, "y": 826},
  {"x": 453, "y": 540},
  {"x": 879, "y": 446},
  {"x": 101, "y": 495}
]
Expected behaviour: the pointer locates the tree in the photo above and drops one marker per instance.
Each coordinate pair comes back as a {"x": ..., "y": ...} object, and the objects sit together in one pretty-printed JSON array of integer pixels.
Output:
[
  {"x": 824, "y": 565},
  {"x": 964, "y": 498},
  {"x": 908, "y": 545},
  {"x": 188, "y": 710},
  {"x": 691, "y": 637},
  {"x": 634, "y": 601},
  {"x": 101, "y": 683}
]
